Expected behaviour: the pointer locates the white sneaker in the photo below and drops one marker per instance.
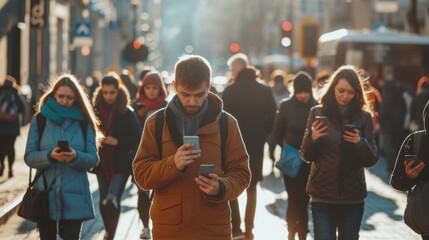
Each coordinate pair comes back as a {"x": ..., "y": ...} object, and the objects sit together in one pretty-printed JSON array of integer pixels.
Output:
[{"x": 145, "y": 234}]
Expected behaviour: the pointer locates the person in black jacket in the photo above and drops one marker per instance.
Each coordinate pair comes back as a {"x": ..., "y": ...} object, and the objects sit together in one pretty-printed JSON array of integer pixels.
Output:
[
  {"x": 254, "y": 107},
  {"x": 339, "y": 147},
  {"x": 289, "y": 128},
  {"x": 123, "y": 132},
  {"x": 11, "y": 106},
  {"x": 407, "y": 173}
]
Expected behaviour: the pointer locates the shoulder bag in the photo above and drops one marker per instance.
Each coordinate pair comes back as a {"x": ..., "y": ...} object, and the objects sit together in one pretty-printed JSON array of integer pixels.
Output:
[
  {"x": 290, "y": 161},
  {"x": 35, "y": 203}
]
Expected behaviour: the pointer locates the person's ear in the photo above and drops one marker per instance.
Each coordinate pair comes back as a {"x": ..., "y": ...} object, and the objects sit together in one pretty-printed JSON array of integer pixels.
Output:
[{"x": 174, "y": 84}]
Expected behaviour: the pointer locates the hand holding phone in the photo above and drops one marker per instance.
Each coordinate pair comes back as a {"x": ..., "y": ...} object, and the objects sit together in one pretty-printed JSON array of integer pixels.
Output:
[
  {"x": 350, "y": 127},
  {"x": 192, "y": 139},
  {"x": 205, "y": 169},
  {"x": 322, "y": 118},
  {"x": 63, "y": 145},
  {"x": 412, "y": 157}
]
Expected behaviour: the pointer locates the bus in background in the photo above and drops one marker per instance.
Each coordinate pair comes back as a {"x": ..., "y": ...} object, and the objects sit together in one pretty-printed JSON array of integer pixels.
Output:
[{"x": 385, "y": 55}]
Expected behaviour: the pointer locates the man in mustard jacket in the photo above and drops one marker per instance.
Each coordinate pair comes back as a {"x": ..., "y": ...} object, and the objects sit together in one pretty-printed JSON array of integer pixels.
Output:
[{"x": 187, "y": 205}]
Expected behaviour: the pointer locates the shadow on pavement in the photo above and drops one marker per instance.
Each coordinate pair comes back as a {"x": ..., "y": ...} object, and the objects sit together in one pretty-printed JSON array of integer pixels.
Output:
[
  {"x": 375, "y": 204},
  {"x": 273, "y": 183},
  {"x": 380, "y": 170}
]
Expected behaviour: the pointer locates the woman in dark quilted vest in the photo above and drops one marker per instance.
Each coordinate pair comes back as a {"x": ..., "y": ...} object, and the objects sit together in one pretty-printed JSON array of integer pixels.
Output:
[
  {"x": 410, "y": 169},
  {"x": 123, "y": 132},
  {"x": 338, "y": 150}
]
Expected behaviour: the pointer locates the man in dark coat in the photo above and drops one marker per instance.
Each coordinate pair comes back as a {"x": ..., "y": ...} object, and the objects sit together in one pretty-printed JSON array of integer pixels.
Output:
[{"x": 254, "y": 107}]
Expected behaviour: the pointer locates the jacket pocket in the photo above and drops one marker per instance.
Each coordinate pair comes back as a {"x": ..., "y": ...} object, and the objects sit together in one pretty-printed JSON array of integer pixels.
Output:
[
  {"x": 167, "y": 209},
  {"x": 216, "y": 213}
]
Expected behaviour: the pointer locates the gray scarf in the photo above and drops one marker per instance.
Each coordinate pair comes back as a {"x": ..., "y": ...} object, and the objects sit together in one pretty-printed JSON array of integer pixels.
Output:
[{"x": 187, "y": 125}]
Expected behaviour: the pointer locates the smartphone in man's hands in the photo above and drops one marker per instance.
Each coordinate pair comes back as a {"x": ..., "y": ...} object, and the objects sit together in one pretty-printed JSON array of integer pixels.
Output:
[
  {"x": 192, "y": 139},
  {"x": 64, "y": 146},
  {"x": 205, "y": 169}
]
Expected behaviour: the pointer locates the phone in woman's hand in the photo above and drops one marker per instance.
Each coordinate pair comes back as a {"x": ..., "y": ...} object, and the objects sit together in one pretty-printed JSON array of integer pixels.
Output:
[{"x": 409, "y": 157}]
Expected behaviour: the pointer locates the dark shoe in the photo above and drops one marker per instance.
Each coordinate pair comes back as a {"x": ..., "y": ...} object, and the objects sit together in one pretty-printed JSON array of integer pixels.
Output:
[
  {"x": 1, "y": 171},
  {"x": 10, "y": 173},
  {"x": 237, "y": 235}
]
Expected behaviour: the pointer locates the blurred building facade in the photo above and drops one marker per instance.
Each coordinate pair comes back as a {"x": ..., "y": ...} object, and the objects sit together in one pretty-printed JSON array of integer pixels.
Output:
[{"x": 38, "y": 37}]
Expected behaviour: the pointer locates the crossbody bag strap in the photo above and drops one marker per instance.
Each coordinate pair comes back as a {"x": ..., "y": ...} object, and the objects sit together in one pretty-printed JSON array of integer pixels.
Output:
[{"x": 41, "y": 173}]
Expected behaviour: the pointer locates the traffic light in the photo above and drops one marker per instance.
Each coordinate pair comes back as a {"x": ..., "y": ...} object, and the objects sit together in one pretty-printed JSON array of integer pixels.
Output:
[
  {"x": 309, "y": 38},
  {"x": 135, "y": 51},
  {"x": 234, "y": 47},
  {"x": 287, "y": 33}
]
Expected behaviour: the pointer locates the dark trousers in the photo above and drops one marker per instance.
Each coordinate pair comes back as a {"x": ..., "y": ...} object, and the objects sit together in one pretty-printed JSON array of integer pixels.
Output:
[
  {"x": 297, "y": 206},
  {"x": 328, "y": 217},
  {"x": 250, "y": 210},
  {"x": 109, "y": 212},
  {"x": 143, "y": 206},
  {"x": 7, "y": 149},
  {"x": 68, "y": 229}
]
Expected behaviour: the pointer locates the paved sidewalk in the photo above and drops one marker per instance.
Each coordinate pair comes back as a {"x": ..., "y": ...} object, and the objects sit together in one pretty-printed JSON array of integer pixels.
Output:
[{"x": 382, "y": 219}]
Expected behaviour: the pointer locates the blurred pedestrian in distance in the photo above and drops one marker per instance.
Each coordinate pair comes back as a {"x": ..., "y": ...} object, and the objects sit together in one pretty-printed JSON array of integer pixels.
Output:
[
  {"x": 122, "y": 131},
  {"x": 129, "y": 82},
  {"x": 187, "y": 205},
  {"x": 93, "y": 82},
  {"x": 151, "y": 96},
  {"x": 280, "y": 92},
  {"x": 66, "y": 114},
  {"x": 418, "y": 103},
  {"x": 392, "y": 116},
  {"x": 10, "y": 107},
  {"x": 411, "y": 170},
  {"x": 339, "y": 147},
  {"x": 143, "y": 73},
  {"x": 289, "y": 128},
  {"x": 375, "y": 100},
  {"x": 423, "y": 80},
  {"x": 254, "y": 107},
  {"x": 322, "y": 79}
]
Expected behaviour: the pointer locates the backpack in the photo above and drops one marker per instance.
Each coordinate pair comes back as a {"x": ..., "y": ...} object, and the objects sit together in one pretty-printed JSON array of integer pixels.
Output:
[
  {"x": 8, "y": 103},
  {"x": 41, "y": 124},
  {"x": 416, "y": 214}
]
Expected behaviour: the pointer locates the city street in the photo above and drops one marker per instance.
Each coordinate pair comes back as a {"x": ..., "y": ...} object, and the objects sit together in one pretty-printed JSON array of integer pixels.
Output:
[{"x": 382, "y": 218}]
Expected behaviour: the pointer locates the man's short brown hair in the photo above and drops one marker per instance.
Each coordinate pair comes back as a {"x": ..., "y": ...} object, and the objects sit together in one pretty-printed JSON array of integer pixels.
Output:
[{"x": 192, "y": 70}]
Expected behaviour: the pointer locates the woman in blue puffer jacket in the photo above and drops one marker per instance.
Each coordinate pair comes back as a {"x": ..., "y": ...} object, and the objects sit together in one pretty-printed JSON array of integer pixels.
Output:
[{"x": 66, "y": 111}]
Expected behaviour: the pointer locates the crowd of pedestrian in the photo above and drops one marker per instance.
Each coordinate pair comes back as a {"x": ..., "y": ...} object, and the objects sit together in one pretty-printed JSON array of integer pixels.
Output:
[{"x": 339, "y": 123}]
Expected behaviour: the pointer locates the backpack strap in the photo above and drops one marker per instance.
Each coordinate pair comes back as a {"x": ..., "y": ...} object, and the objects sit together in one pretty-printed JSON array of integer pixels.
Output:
[
  {"x": 41, "y": 124},
  {"x": 159, "y": 125}
]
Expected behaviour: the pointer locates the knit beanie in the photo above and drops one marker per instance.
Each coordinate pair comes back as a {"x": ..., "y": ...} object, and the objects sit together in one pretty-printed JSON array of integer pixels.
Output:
[{"x": 302, "y": 82}]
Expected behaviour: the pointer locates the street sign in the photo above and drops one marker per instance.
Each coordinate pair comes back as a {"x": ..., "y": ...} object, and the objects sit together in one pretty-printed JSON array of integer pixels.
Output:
[
  {"x": 37, "y": 14},
  {"x": 82, "y": 34}
]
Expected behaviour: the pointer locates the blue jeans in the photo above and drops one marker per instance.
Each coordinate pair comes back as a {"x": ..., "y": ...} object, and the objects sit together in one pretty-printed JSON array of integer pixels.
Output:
[{"x": 328, "y": 217}]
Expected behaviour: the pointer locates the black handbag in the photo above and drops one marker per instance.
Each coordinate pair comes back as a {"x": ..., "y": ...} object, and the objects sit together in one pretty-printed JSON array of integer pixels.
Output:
[{"x": 35, "y": 203}]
